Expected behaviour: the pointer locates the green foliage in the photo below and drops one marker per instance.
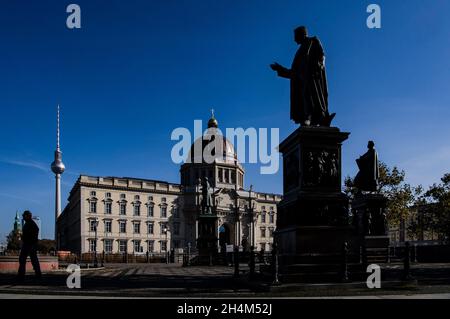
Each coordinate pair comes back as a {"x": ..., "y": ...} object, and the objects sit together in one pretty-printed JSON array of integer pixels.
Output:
[
  {"x": 13, "y": 240},
  {"x": 436, "y": 208},
  {"x": 46, "y": 246}
]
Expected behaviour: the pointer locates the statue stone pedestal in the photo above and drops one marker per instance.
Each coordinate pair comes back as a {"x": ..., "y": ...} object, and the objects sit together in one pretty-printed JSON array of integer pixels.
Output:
[
  {"x": 207, "y": 238},
  {"x": 313, "y": 217},
  {"x": 370, "y": 220}
]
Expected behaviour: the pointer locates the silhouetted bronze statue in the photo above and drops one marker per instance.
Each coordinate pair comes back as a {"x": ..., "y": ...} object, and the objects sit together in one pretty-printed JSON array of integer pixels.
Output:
[
  {"x": 207, "y": 201},
  {"x": 368, "y": 175},
  {"x": 309, "y": 92},
  {"x": 30, "y": 232}
]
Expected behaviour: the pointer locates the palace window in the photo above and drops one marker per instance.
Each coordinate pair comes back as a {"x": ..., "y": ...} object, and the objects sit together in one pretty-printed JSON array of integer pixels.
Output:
[
  {"x": 227, "y": 176},
  {"x": 263, "y": 232},
  {"x": 123, "y": 208},
  {"x": 150, "y": 228},
  {"x": 137, "y": 210},
  {"x": 122, "y": 226},
  {"x": 93, "y": 194},
  {"x": 220, "y": 177},
  {"x": 93, "y": 206},
  {"x": 150, "y": 209},
  {"x": 263, "y": 217},
  {"x": 108, "y": 208},
  {"x": 263, "y": 246},
  {"x": 122, "y": 246},
  {"x": 108, "y": 226},
  {"x": 108, "y": 195},
  {"x": 163, "y": 211},
  {"x": 137, "y": 227},
  {"x": 233, "y": 177},
  {"x": 164, "y": 228},
  {"x": 151, "y": 246},
  {"x": 123, "y": 196},
  {"x": 150, "y": 198},
  {"x": 92, "y": 225},
  {"x": 163, "y": 245},
  {"x": 272, "y": 218},
  {"x": 92, "y": 245},
  {"x": 271, "y": 232},
  {"x": 108, "y": 245},
  {"x": 137, "y": 246},
  {"x": 136, "y": 197}
]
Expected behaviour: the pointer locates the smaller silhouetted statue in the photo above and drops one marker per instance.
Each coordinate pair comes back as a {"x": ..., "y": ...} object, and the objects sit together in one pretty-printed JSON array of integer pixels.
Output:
[
  {"x": 367, "y": 177},
  {"x": 207, "y": 200}
]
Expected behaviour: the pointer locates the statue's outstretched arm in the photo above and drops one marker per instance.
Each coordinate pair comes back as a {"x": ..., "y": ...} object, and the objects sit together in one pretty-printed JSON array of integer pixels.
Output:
[
  {"x": 285, "y": 73},
  {"x": 281, "y": 70}
]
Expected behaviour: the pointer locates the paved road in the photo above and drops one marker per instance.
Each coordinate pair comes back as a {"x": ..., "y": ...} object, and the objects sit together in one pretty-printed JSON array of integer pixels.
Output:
[{"x": 172, "y": 280}]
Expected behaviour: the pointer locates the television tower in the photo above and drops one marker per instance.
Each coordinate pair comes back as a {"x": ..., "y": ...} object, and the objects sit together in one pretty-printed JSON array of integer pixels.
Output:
[{"x": 57, "y": 168}]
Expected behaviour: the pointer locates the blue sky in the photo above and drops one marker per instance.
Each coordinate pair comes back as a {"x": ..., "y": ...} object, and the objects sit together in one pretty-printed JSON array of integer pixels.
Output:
[{"x": 138, "y": 69}]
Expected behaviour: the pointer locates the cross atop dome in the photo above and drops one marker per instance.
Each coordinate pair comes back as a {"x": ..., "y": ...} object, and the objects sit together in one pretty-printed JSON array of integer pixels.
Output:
[{"x": 212, "y": 121}]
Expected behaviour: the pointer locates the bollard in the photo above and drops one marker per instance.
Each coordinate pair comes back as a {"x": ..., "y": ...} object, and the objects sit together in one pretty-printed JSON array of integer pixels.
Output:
[
  {"x": 252, "y": 262},
  {"x": 345, "y": 262},
  {"x": 406, "y": 262},
  {"x": 236, "y": 262}
]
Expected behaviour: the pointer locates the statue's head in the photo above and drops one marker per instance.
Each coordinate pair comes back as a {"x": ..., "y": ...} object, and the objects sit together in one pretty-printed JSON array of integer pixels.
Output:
[
  {"x": 370, "y": 145},
  {"x": 300, "y": 34}
]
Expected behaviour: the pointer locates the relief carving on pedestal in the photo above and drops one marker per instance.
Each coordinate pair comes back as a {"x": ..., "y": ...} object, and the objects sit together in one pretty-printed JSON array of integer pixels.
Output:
[{"x": 321, "y": 168}]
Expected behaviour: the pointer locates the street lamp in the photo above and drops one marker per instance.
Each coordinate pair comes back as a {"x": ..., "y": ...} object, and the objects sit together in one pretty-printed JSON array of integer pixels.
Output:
[
  {"x": 95, "y": 243},
  {"x": 276, "y": 280},
  {"x": 251, "y": 207},
  {"x": 189, "y": 254},
  {"x": 167, "y": 246}
]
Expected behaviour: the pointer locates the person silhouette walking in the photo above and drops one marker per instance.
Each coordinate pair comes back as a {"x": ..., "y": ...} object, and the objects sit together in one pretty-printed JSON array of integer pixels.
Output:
[{"x": 30, "y": 232}]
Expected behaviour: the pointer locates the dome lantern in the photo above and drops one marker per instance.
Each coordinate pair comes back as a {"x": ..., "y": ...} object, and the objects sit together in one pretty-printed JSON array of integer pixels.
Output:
[{"x": 212, "y": 123}]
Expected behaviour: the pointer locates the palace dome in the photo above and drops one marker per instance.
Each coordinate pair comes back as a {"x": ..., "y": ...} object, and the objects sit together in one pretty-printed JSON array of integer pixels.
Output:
[{"x": 219, "y": 147}]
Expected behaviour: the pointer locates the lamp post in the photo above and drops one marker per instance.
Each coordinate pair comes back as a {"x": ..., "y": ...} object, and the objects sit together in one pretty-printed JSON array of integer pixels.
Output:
[
  {"x": 95, "y": 243},
  {"x": 276, "y": 280},
  {"x": 167, "y": 246},
  {"x": 251, "y": 214},
  {"x": 189, "y": 254}
]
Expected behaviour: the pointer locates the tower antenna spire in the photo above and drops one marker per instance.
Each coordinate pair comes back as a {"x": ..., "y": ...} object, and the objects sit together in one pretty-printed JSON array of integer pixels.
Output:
[{"x": 57, "y": 129}]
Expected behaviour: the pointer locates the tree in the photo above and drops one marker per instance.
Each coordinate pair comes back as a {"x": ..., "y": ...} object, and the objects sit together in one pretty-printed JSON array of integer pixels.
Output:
[
  {"x": 46, "y": 246},
  {"x": 436, "y": 208},
  {"x": 400, "y": 195},
  {"x": 13, "y": 240}
]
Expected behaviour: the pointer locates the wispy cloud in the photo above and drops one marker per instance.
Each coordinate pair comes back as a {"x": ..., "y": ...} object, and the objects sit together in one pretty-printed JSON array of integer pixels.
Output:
[
  {"x": 26, "y": 199},
  {"x": 27, "y": 163},
  {"x": 428, "y": 167}
]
